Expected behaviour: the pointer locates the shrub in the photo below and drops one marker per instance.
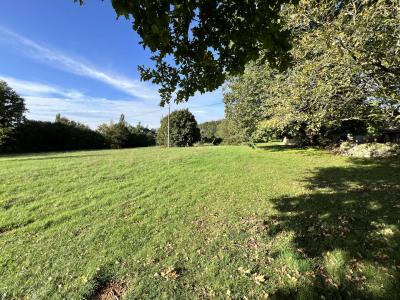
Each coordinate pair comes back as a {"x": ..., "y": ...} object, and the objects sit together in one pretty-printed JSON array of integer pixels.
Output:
[{"x": 183, "y": 129}]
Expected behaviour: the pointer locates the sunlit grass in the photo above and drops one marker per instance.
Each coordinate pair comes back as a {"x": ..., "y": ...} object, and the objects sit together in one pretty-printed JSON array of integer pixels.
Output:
[{"x": 199, "y": 222}]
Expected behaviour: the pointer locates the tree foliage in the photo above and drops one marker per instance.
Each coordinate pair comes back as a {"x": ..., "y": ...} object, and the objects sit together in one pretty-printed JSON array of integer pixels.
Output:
[
  {"x": 195, "y": 44},
  {"x": 63, "y": 134},
  {"x": 210, "y": 132},
  {"x": 12, "y": 108},
  {"x": 122, "y": 135},
  {"x": 183, "y": 129},
  {"x": 243, "y": 98},
  {"x": 344, "y": 75},
  {"x": 116, "y": 134},
  {"x": 142, "y": 136}
]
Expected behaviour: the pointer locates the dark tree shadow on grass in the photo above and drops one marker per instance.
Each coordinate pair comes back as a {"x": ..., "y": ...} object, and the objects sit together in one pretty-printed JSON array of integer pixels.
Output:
[
  {"x": 354, "y": 212},
  {"x": 45, "y": 156},
  {"x": 280, "y": 148}
]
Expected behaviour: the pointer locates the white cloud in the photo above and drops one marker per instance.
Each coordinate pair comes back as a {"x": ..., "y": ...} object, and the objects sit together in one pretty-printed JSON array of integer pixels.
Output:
[
  {"x": 44, "y": 101},
  {"x": 92, "y": 111},
  {"x": 38, "y": 89},
  {"x": 67, "y": 63}
]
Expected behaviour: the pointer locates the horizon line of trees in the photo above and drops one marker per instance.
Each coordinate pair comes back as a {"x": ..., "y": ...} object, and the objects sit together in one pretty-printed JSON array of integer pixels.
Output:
[
  {"x": 65, "y": 134},
  {"x": 185, "y": 131},
  {"x": 19, "y": 134}
]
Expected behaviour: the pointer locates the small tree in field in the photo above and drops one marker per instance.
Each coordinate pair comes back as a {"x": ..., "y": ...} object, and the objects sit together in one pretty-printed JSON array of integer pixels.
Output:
[
  {"x": 12, "y": 108},
  {"x": 183, "y": 129}
]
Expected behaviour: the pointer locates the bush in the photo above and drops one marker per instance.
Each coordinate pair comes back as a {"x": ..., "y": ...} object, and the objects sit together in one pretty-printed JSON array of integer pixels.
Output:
[
  {"x": 370, "y": 150},
  {"x": 183, "y": 129}
]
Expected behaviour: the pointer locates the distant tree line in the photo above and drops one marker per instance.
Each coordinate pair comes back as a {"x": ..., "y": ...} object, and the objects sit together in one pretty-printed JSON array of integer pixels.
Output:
[
  {"x": 214, "y": 132},
  {"x": 65, "y": 134},
  {"x": 184, "y": 131},
  {"x": 20, "y": 134},
  {"x": 62, "y": 134},
  {"x": 122, "y": 135}
]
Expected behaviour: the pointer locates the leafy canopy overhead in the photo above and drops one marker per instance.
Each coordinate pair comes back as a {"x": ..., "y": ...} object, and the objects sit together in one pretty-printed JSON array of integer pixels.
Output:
[{"x": 196, "y": 44}]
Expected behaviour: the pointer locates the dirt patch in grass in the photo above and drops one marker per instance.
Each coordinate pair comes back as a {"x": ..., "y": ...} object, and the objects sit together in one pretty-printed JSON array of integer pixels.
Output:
[{"x": 110, "y": 291}]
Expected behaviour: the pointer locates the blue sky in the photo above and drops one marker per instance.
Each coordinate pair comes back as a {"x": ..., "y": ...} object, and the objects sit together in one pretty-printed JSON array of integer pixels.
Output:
[{"x": 81, "y": 61}]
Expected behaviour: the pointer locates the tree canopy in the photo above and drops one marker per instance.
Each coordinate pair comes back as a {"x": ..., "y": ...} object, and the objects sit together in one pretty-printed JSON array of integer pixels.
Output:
[
  {"x": 122, "y": 135},
  {"x": 210, "y": 132},
  {"x": 12, "y": 108},
  {"x": 345, "y": 67},
  {"x": 183, "y": 129},
  {"x": 243, "y": 99},
  {"x": 195, "y": 44}
]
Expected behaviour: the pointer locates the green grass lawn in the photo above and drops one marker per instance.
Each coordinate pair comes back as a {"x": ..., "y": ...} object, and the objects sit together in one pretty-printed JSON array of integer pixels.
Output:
[{"x": 203, "y": 222}]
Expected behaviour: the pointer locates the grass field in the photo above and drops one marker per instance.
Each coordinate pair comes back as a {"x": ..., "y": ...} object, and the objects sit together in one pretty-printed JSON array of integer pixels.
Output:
[{"x": 203, "y": 222}]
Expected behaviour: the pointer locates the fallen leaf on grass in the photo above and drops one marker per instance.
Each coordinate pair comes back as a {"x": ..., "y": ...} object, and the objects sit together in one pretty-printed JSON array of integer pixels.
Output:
[
  {"x": 258, "y": 278},
  {"x": 243, "y": 271},
  {"x": 170, "y": 273}
]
